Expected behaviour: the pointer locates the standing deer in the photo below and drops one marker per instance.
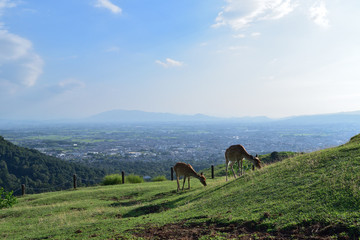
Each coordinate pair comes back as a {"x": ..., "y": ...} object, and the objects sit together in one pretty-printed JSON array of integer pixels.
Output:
[
  {"x": 236, "y": 153},
  {"x": 186, "y": 170}
]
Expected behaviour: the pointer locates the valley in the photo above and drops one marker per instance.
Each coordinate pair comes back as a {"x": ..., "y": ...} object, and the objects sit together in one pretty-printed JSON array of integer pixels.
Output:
[{"x": 136, "y": 147}]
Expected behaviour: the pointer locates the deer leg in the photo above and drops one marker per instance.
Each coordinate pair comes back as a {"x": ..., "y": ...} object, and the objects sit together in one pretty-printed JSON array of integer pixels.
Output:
[
  {"x": 189, "y": 182},
  {"x": 227, "y": 171},
  {"x": 178, "y": 184},
  {"x": 232, "y": 168},
  {"x": 242, "y": 167},
  {"x": 238, "y": 162},
  {"x": 184, "y": 182}
]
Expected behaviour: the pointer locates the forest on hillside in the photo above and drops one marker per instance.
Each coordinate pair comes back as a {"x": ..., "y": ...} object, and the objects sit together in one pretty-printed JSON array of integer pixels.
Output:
[{"x": 40, "y": 172}]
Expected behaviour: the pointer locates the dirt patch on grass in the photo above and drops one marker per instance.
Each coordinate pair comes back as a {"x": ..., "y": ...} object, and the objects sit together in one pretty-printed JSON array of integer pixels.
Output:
[{"x": 248, "y": 230}]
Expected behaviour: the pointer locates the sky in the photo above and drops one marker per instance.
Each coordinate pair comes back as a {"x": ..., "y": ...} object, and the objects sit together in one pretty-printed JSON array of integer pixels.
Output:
[{"x": 226, "y": 58}]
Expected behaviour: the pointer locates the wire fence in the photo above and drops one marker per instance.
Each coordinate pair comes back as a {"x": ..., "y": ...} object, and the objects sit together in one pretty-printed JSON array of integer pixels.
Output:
[
  {"x": 73, "y": 183},
  {"x": 76, "y": 182}
]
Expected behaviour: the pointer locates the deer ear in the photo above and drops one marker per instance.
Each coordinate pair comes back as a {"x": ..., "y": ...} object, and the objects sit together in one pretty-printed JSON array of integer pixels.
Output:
[
  {"x": 201, "y": 173},
  {"x": 256, "y": 155}
]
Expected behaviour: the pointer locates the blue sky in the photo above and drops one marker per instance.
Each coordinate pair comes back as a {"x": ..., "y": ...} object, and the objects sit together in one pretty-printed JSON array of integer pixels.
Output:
[{"x": 228, "y": 58}]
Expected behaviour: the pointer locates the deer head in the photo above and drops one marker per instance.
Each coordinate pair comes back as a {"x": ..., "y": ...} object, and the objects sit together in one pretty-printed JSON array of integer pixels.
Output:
[
  {"x": 257, "y": 161},
  {"x": 202, "y": 179}
]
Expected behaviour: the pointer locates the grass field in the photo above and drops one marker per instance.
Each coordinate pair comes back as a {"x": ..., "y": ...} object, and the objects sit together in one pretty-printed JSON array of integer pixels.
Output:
[{"x": 309, "y": 196}]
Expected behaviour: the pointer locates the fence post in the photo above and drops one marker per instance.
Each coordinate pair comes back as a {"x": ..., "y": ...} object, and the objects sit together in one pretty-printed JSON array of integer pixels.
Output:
[
  {"x": 123, "y": 177},
  {"x": 212, "y": 171},
  {"x": 22, "y": 189},
  {"x": 74, "y": 180},
  {"x": 172, "y": 173}
]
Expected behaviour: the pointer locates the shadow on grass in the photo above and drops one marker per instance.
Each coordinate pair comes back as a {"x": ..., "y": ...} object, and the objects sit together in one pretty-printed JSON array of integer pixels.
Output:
[{"x": 152, "y": 208}]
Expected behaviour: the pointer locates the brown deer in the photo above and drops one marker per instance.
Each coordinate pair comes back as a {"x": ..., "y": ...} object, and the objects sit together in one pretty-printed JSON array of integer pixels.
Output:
[
  {"x": 236, "y": 153},
  {"x": 186, "y": 170}
]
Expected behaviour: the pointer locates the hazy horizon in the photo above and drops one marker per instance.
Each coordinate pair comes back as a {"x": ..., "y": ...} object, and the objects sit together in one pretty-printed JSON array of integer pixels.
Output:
[{"x": 231, "y": 58}]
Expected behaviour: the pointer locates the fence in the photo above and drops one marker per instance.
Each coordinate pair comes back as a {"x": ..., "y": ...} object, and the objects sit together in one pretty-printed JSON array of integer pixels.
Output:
[
  {"x": 75, "y": 180},
  {"x": 62, "y": 186}
]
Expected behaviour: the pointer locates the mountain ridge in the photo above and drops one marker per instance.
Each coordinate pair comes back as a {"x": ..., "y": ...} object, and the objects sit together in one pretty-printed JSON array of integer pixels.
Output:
[
  {"x": 119, "y": 115},
  {"x": 138, "y": 116}
]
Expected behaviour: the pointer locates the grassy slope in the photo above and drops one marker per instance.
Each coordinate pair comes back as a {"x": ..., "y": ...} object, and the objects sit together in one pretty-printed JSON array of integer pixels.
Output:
[{"x": 322, "y": 187}]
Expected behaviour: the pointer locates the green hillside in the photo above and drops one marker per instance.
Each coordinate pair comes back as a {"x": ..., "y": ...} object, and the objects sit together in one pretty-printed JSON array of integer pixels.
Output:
[
  {"x": 309, "y": 196},
  {"x": 39, "y": 172}
]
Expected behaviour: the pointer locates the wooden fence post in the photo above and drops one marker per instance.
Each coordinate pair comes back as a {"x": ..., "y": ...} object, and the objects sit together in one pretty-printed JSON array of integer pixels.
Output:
[
  {"x": 172, "y": 173},
  {"x": 74, "y": 180},
  {"x": 123, "y": 177},
  {"x": 22, "y": 189},
  {"x": 212, "y": 171}
]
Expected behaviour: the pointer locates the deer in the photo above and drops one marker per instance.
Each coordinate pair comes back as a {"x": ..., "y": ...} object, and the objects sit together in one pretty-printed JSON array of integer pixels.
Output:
[
  {"x": 236, "y": 153},
  {"x": 186, "y": 170}
]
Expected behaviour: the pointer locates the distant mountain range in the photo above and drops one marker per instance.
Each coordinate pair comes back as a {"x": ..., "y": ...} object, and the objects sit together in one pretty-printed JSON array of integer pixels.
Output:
[
  {"x": 115, "y": 116},
  {"x": 141, "y": 116},
  {"x": 135, "y": 116}
]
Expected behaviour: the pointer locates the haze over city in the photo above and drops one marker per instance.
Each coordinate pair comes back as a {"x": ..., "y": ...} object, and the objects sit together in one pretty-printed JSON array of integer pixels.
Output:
[{"x": 275, "y": 58}]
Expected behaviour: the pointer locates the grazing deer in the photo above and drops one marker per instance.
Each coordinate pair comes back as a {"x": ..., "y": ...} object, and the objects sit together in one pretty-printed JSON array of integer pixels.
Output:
[
  {"x": 236, "y": 153},
  {"x": 186, "y": 170}
]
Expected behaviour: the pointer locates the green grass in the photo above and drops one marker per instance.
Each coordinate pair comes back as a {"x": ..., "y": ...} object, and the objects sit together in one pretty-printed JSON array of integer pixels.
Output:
[
  {"x": 159, "y": 179},
  {"x": 112, "y": 179},
  {"x": 322, "y": 188},
  {"x": 133, "y": 179}
]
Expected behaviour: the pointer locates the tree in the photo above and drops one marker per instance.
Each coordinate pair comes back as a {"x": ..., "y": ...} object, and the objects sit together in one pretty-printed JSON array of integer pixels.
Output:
[{"x": 6, "y": 199}]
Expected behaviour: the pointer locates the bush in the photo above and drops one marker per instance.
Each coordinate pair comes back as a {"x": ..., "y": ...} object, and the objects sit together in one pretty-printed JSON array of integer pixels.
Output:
[
  {"x": 112, "y": 179},
  {"x": 159, "y": 179},
  {"x": 134, "y": 179},
  {"x": 6, "y": 199}
]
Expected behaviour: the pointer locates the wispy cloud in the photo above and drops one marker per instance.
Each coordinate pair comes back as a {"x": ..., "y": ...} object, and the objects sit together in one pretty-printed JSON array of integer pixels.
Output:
[
  {"x": 6, "y": 4},
  {"x": 70, "y": 84},
  {"x": 19, "y": 64},
  {"x": 170, "y": 63},
  {"x": 108, "y": 5},
  {"x": 113, "y": 49},
  {"x": 239, "y": 14},
  {"x": 319, "y": 14},
  {"x": 239, "y": 36},
  {"x": 64, "y": 86}
]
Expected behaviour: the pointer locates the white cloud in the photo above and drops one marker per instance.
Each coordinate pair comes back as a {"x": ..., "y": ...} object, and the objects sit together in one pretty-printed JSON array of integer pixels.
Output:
[
  {"x": 319, "y": 14},
  {"x": 237, "y": 48},
  {"x": 6, "y": 4},
  {"x": 255, "y": 34},
  {"x": 279, "y": 9},
  {"x": 108, "y": 5},
  {"x": 239, "y": 14},
  {"x": 70, "y": 84},
  {"x": 239, "y": 36},
  {"x": 19, "y": 64},
  {"x": 170, "y": 63}
]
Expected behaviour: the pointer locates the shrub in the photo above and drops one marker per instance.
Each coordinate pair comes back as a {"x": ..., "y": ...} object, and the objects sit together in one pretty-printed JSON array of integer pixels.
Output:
[
  {"x": 6, "y": 198},
  {"x": 134, "y": 179},
  {"x": 112, "y": 179},
  {"x": 159, "y": 179}
]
